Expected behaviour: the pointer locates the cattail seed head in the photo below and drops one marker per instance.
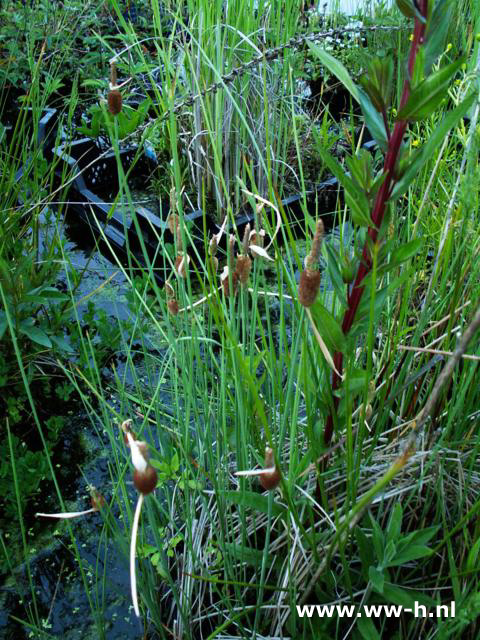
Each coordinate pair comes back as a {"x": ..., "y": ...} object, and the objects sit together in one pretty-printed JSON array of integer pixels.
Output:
[
  {"x": 246, "y": 238},
  {"x": 172, "y": 306},
  {"x": 145, "y": 481},
  {"x": 181, "y": 264},
  {"x": 308, "y": 287},
  {"x": 270, "y": 480},
  {"x": 314, "y": 254},
  {"x": 172, "y": 222},
  {"x": 242, "y": 268},
  {"x": 114, "y": 101},
  {"x": 227, "y": 290},
  {"x": 214, "y": 263}
]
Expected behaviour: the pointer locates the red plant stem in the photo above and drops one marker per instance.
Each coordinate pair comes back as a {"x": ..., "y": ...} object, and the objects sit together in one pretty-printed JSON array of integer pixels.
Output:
[{"x": 393, "y": 149}]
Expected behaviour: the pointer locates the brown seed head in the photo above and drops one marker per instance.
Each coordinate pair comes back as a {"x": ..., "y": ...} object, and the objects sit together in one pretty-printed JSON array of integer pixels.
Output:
[
  {"x": 242, "y": 268},
  {"x": 308, "y": 287},
  {"x": 181, "y": 264},
  {"x": 172, "y": 223},
  {"x": 172, "y": 306},
  {"x": 246, "y": 237},
  {"x": 270, "y": 480},
  {"x": 145, "y": 481},
  {"x": 114, "y": 101},
  {"x": 312, "y": 257},
  {"x": 227, "y": 290}
]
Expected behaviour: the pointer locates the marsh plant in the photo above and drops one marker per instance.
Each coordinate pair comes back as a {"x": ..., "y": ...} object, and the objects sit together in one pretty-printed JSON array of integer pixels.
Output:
[{"x": 310, "y": 408}]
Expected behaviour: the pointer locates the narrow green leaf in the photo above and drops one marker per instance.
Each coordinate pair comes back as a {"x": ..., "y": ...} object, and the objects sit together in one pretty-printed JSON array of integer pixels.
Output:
[
  {"x": 336, "y": 168},
  {"x": 420, "y": 537},
  {"x": 395, "y": 522},
  {"x": 367, "y": 629},
  {"x": 406, "y": 251},
  {"x": 406, "y": 7},
  {"x": 254, "y": 501},
  {"x": 405, "y": 598},
  {"x": 359, "y": 208},
  {"x": 436, "y": 32},
  {"x": 3, "y": 323},
  {"x": 434, "y": 142},
  {"x": 333, "y": 260},
  {"x": 377, "y": 578},
  {"x": 328, "y": 328},
  {"x": 336, "y": 68},
  {"x": 426, "y": 96},
  {"x": 373, "y": 120},
  {"x": 411, "y": 553}
]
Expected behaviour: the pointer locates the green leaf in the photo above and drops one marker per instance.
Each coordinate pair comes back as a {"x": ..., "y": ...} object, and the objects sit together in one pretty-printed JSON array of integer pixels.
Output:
[
  {"x": 35, "y": 334},
  {"x": 61, "y": 343},
  {"x": 373, "y": 120},
  {"x": 255, "y": 501},
  {"x": 328, "y": 328},
  {"x": 419, "y": 537},
  {"x": 336, "y": 168},
  {"x": 377, "y": 538},
  {"x": 406, "y": 7},
  {"x": 395, "y": 522},
  {"x": 357, "y": 380},
  {"x": 434, "y": 142},
  {"x": 405, "y": 598},
  {"x": 333, "y": 260},
  {"x": 3, "y": 323},
  {"x": 413, "y": 552},
  {"x": 359, "y": 208},
  {"x": 405, "y": 251},
  {"x": 377, "y": 578},
  {"x": 426, "y": 96},
  {"x": 436, "y": 32},
  {"x": 367, "y": 629},
  {"x": 473, "y": 555},
  {"x": 365, "y": 550},
  {"x": 335, "y": 67}
]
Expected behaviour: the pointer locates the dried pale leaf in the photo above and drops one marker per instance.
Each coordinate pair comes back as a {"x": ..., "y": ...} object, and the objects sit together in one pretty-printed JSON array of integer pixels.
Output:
[{"x": 261, "y": 252}]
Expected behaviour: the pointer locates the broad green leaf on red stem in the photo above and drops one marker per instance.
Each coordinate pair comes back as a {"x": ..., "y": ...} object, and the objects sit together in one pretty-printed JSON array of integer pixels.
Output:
[
  {"x": 406, "y": 7},
  {"x": 359, "y": 208},
  {"x": 426, "y": 96},
  {"x": 433, "y": 144},
  {"x": 373, "y": 120},
  {"x": 328, "y": 328}
]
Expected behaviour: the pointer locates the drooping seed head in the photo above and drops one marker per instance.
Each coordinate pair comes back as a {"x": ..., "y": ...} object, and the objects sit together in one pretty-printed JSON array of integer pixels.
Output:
[
  {"x": 270, "y": 480},
  {"x": 145, "y": 481},
  {"x": 114, "y": 102}
]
